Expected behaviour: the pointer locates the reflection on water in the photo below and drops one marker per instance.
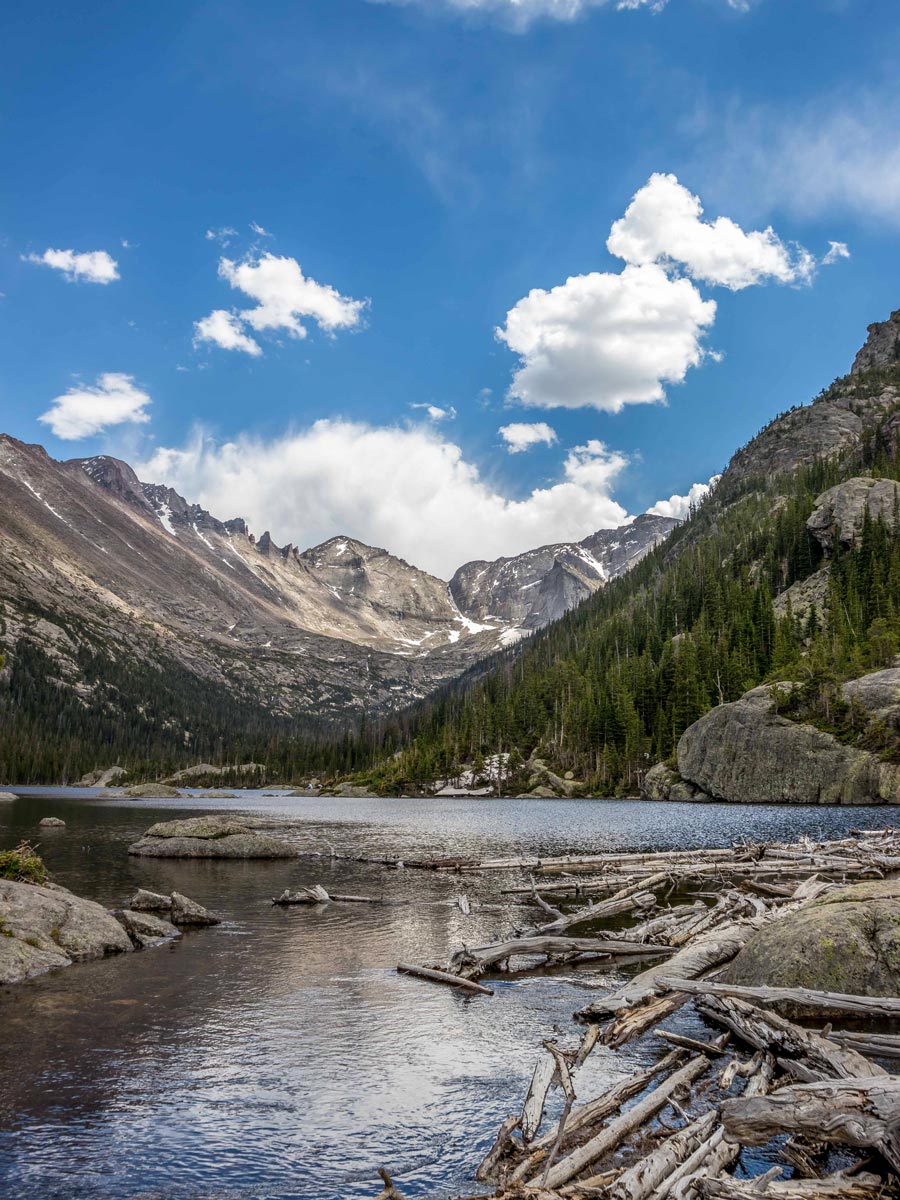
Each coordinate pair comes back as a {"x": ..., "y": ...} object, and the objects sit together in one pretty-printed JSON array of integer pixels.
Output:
[{"x": 279, "y": 1055}]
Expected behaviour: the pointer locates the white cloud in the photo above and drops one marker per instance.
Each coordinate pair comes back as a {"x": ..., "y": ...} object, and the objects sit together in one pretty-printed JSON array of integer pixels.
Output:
[
  {"x": 408, "y": 489},
  {"x": 836, "y": 251},
  {"x": 679, "y": 506},
  {"x": 259, "y": 231},
  {"x": 605, "y": 340},
  {"x": 436, "y": 413},
  {"x": 83, "y": 411},
  {"x": 521, "y": 13},
  {"x": 663, "y": 224},
  {"x": 224, "y": 329},
  {"x": 285, "y": 295},
  {"x": 92, "y": 266},
  {"x": 522, "y": 435}
]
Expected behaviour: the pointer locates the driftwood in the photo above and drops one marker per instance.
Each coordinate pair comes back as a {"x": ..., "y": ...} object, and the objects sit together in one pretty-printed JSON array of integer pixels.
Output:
[
  {"x": 640, "y": 1181},
  {"x": 834, "y": 1187},
  {"x": 614, "y": 1133},
  {"x": 474, "y": 961},
  {"x": 318, "y": 895},
  {"x": 853, "y": 1112},
  {"x": 533, "y": 1108},
  {"x": 803, "y": 1001},
  {"x": 389, "y": 1192},
  {"x": 444, "y": 977},
  {"x": 819, "y": 1057}
]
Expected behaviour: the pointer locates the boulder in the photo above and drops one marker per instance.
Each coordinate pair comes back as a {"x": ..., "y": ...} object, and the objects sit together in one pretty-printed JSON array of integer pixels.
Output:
[
  {"x": 847, "y": 941},
  {"x": 5, "y": 797},
  {"x": 100, "y": 778},
  {"x": 662, "y": 783},
  {"x": 188, "y": 912},
  {"x": 543, "y": 793},
  {"x": 154, "y": 902},
  {"x": 46, "y": 927},
  {"x": 151, "y": 791},
  {"x": 839, "y": 511},
  {"x": 747, "y": 753},
  {"x": 51, "y": 823},
  {"x": 145, "y": 929},
  {"x": 208, "y": 837},
  {"x": 878, "y": 693},
  {"x": 216, "y": 794}
]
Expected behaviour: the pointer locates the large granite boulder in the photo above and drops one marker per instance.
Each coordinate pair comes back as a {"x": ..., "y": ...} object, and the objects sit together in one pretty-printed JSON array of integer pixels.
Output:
[
  {"x": 747, "y": 753},
  {"x": 6, "y": 797},
  {"x": 51, "y": 823},
  {"x": 208, "y": 837},
  {"x": 847, "y": 941},
  {"x": 101, "y": 779},
  {"x": 179, "y": 909},
  {"x": 46, "y": 927},
  {"x": 151, "y": 791},
  {"x": 839, "y": 512},
  {"x": 878, "y": 693}
]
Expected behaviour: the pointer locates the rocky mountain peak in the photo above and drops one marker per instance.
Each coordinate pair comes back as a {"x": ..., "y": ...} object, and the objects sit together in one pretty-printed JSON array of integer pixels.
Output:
[
  {"x": 882, "y": 347},
  {"x": 114, "y": 476}
]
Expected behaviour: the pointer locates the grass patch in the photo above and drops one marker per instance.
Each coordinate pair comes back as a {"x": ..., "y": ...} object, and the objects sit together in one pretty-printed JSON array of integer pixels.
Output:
[{"x": 23, "y": 865}]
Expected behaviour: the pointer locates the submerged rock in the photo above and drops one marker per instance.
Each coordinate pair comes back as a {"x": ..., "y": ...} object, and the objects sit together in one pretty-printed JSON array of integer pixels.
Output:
[
  {"x": 51, "y": 823},
  {"x": 747, "y": 753},
  {"x": 847, "y": 941},
  {"x": 151, "y": 791},
  {"x": 208, "y": 837},
  {"x": 44, "y": 927},
  {"x": 145, "y": 929}
]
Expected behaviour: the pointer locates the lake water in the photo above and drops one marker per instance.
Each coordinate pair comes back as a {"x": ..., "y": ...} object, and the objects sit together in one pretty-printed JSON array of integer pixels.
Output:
[{"x": 279, "y": 1055}]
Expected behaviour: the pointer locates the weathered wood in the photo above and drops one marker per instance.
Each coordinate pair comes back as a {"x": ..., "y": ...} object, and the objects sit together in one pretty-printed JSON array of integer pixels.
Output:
[
  {"x": 769, "y": 1031},
  {"x": 800, "y": 1000},
  {"x": 488, "y": 1169},
  {"x": 710, "y": 1049},
  {"x": 640, "y": 1181},
  {"x": 473, "y": 961},
  {"x": 304, "y": 895},
  {"x": 852, "y": 1112},
  {"x": 388, "y": 1192},
  {"x": 710, "y": 950},
  {"x": 444, "y": 977},
  {"x": 872, "y": 1045},
  {"x": 834, "y": 1187},
  {"x": 536, "y": 1098},
  {"x": 610, "y": 1137}
]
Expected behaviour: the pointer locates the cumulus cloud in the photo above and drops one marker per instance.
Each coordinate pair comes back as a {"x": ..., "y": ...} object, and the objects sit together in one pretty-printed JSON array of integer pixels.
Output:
[
  {"x": 408, "y": 489},
  {"x": 605, "y": 340},
  {"x": 680, "y": 506},
  {"x": 285, "y": 298},
  {"x": 663, "y": 224},
  {"x": 522, "y": 435},
  {"x": 91, "y": 266},
  {"x": 224, "y": 329},
  {"x": 82, "y": 411}
]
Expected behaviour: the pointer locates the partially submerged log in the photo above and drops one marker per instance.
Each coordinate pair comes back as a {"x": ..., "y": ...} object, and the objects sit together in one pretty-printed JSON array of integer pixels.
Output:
[
  {"x": 852, "y": 1112},
  {"x": 800, "y": 1000},
  {"x": 476, "y": 960},
  {"x": 434, "y": 976},
  {"x": 835, "y": 1187}
]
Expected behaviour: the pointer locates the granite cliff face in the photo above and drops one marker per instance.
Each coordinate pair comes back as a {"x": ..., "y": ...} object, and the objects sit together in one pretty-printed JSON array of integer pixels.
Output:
[{"x": 96, "y": 561}]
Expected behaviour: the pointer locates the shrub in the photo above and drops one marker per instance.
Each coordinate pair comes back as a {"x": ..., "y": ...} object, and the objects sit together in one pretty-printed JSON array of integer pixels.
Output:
[{"x": 22, "y": 865}]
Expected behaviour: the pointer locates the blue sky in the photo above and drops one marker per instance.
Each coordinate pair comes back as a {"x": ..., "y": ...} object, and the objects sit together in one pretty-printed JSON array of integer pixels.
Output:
[{"x": 420, "y": 171}]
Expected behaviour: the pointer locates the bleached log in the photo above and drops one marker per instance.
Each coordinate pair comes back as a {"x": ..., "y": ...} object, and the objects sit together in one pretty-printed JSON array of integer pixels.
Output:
[
  {"x": 640, "y": 1181},
  {"x": 626, "y": 901},
  {"x": 304, "y": 895},
  {"x": 768, "y": 1031},
  {"x": 536, "y": 1098},
  {"x": 444, "y": 977},
  {"x": 478, "y": 959},
  {"x": 872, "y": 1045},
  {"x": 802, "y": 1000},
  {"x": 710, "y": 1049},
  {"x": 488, "y": 1170},
  {"x": 614, "y": 1133},
  {"x": 852, "y": 1112},
  {"x": 707, "y": 952},
  {"x": 834, "y": 1187}
]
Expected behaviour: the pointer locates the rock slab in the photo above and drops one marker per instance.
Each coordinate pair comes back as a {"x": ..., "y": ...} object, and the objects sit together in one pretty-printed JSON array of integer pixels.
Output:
[
  {"x": 208, "y": 837},
  {"x": 145, "y": 929},
  {"x": 42, "y": 928}
]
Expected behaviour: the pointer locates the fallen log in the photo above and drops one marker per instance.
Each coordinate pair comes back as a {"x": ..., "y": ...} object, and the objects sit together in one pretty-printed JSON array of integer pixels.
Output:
[
  {"x": 533, "y": 1108},
  {"x": 610, "y": 1137},
  {"x": 801, "y": 1000},
  {"x": 852, "y": 1112},
  {"x": 444, "y": 977},
  {"x": 818, "y": 1056},
  {"x": 479, "y": 959},
  {"x": 834, "y": 1187},
  {"x": 872, "y": 1045},
  {"x": 711, "y": 950},
  {"x": 640, "y": 1181}
]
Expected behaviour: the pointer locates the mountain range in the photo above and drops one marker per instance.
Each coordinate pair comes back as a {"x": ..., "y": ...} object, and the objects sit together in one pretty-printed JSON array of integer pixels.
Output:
[{"x": 96, "y": 562}]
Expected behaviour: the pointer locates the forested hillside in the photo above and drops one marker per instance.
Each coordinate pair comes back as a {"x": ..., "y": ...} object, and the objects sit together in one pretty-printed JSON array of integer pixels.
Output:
[{"x": 607, "y": 691}]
